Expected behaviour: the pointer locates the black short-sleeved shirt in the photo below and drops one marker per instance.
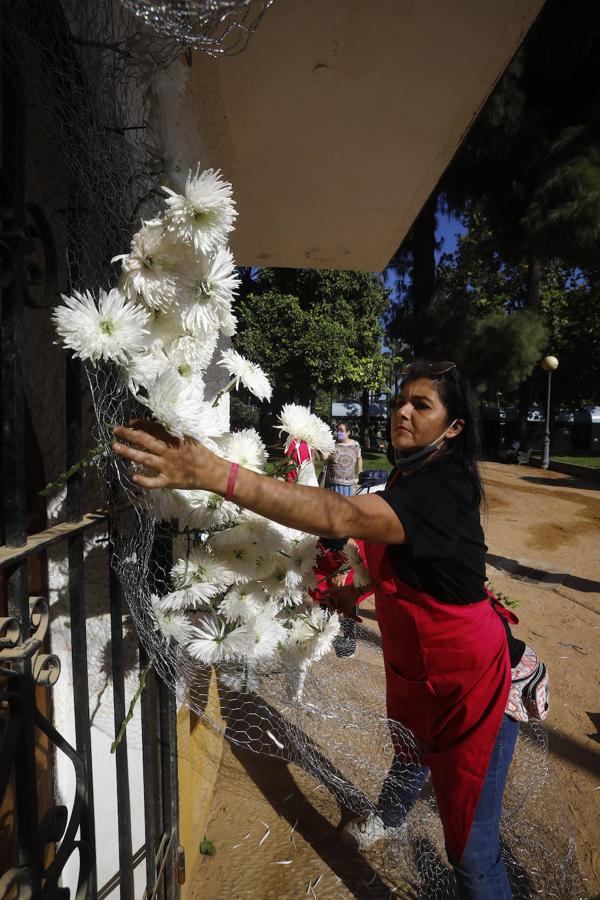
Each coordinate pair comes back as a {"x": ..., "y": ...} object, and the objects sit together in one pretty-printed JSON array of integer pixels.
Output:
[{"x": 445, "y": 551}]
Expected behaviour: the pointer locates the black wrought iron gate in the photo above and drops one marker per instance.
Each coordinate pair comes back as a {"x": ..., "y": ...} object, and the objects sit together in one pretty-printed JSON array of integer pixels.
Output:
[{"x": 38, "y": 836}]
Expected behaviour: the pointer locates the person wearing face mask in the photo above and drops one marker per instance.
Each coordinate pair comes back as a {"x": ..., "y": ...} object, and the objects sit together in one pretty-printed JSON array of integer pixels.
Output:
[
  {"x": 453, "y": 669},
  {"x": 345, "y": 463}
]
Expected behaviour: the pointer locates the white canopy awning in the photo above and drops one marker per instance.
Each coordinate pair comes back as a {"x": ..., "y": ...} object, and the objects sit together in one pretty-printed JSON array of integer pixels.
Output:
[{"x": 337, "y": 121}]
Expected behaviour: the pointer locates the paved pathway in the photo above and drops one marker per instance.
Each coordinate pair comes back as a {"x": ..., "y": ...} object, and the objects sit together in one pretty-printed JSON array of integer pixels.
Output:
[{"x": 543, "y": 533}]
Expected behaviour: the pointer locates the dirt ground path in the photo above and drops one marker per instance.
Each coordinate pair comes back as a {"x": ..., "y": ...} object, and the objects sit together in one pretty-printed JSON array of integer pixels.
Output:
[{"x": 543, "y": 534}]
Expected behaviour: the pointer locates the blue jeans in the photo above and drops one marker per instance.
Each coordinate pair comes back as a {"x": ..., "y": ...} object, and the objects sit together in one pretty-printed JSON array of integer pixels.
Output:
[
  {"x": 346, "y": 489},
  {"x": 480, "y": 875}
]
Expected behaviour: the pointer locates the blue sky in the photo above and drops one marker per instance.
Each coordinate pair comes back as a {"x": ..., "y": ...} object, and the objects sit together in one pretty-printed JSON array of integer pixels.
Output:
[{"x": 447, "y": 233}]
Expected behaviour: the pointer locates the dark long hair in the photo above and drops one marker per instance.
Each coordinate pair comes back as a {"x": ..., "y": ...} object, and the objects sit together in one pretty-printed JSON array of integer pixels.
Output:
[{"x": 459, "y": 399}]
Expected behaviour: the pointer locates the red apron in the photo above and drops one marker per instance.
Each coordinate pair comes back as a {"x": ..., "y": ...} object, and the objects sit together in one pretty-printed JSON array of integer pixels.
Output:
[{"x": 447, "y": 679}]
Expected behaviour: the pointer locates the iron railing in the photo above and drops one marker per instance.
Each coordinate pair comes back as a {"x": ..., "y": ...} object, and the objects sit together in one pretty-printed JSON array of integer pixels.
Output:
[{"x": 46, "y": 838}]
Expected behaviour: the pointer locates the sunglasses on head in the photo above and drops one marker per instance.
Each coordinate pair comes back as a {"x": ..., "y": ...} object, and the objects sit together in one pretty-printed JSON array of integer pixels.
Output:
[{"x": 433, "y": 370}]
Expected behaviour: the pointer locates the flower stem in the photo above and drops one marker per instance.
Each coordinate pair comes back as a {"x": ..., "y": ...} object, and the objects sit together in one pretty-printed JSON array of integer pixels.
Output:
[
  {"x": 223, "y": 391},
  {"x": 129, "y": 716},
  {"x": 62, "y": 479},
  {"x": 275, "y": 468}
]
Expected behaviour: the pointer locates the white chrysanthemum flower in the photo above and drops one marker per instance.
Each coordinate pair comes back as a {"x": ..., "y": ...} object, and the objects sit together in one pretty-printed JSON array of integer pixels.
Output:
[
  {"x": 173, "y": 625},
  {"x": 165, "y": 503},
  {"x": 143, "y": 369},
  {"x": 195, "y": 596},
  {"x": 278, "y": 566},
  {"x": 196, "y": 382},
  {"x": 213, "y": 643},
  {"x": 205, "y": 214},
  {"x": 361, "y": 575},
  {"x": 249, "y": 374},
  {"x": 290, "y": 535},
  {"x": 113, "y": 330},
  {"x": 327, "y": 626},
  {"x": 289, "y": 600},
  {"x": 298, "y": 422},
  {"x": 207, "y": 426},
  {"x": 202, "y": 573},
  {"x": 284, "y": 584},
  {"x": 227, "y": 322},
  {"x": 297, "y": 646},
  {"x": 265, "y": 634},
  {"x": 205, "y": 511},
  {"x": 243, "y": 561},
  {"x": 303, "y": 554},
  {"x": 171, "y": 402},
  {"x": 262, "y": 531},
  {"x": 245, "y": 448},
  {"x": 164, "y": 328},
  {"x": 236, "y": 553},
  {"x": 196, "y": 351},
  {"x": 255, "y": 533},
  {"x": 242, "y": 602},
  {"x": 229, "y": 538},
  {"x": 174, "y": 402},
  {"x": 150, "y": 267},
  {"x": 173, "y": 358},
  {"x": 311, "y": 636},
  {"x": 210, "y": 292}
]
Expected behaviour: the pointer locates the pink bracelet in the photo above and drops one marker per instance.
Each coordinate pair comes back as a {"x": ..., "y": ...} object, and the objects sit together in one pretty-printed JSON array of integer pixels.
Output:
[{"x": 231, "y": 481}]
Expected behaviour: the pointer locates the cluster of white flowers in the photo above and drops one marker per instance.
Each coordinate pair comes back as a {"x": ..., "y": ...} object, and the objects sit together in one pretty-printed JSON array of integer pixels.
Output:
[
  {"x": 239, "y": 594},
  {"x": 299, "y": 423}
]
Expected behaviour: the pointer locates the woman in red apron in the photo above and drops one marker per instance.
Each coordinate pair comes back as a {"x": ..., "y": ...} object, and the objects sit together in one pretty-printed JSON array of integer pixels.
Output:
[{"x": 447, "y": 648}]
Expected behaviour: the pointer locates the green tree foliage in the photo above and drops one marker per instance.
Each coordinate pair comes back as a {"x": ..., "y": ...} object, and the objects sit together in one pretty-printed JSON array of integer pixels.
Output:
[
  {"x": 314, "y": 330},
  {"x": 479, "y": 317},
  {"x": 571, "y": 305},
  {"x": 476, "y": 315},
  {"x": 533, "y": 157},
  {"x": 527, "y": 180}
]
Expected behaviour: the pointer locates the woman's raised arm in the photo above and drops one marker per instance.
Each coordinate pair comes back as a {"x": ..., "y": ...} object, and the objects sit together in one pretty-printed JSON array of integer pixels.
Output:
[{"x": 187, "y": 464}]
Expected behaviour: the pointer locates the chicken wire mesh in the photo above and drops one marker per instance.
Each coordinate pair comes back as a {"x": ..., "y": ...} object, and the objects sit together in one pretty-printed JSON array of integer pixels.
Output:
[
  {"x": 217, "y": 27},
  {"x": 88, "y": 77},
  {"x": 330, "y": 719}
]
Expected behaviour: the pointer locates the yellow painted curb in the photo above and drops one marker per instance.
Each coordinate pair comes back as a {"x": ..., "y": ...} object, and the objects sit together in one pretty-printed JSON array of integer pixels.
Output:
[{"x": 200, "y": 748}]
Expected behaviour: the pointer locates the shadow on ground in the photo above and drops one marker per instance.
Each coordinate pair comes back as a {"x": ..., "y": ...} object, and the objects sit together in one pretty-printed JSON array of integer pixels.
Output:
[
  {"x": 517, "y": 570},
  {"x": 276, "y": 782},
  {"x": 571, "y": 481},
  {"x": 574, "y": 752}
]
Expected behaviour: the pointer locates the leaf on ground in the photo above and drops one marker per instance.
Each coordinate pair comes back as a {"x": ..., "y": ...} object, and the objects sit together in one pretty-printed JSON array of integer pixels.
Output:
[{"x": 207, "y": 848}]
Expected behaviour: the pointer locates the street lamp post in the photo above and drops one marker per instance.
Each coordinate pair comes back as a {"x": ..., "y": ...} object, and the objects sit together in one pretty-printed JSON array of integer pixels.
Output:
[{"x": 549, "y": 364}]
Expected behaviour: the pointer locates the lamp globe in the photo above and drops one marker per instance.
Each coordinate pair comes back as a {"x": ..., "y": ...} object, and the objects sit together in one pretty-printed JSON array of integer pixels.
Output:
[{"x": 549, "y": 363}]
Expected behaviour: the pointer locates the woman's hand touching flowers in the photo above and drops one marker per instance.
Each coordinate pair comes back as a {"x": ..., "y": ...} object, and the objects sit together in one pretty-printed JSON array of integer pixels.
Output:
[{"x": 170, "y": 462}]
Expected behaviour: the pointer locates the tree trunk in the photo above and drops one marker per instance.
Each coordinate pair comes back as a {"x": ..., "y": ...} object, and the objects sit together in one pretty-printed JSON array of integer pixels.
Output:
[
  {"x": 268, "y": 413},
  {"x": 423, "y": 273},
  {"x": 534, "y": 275},
  {"x": 364, "y": 420}
]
